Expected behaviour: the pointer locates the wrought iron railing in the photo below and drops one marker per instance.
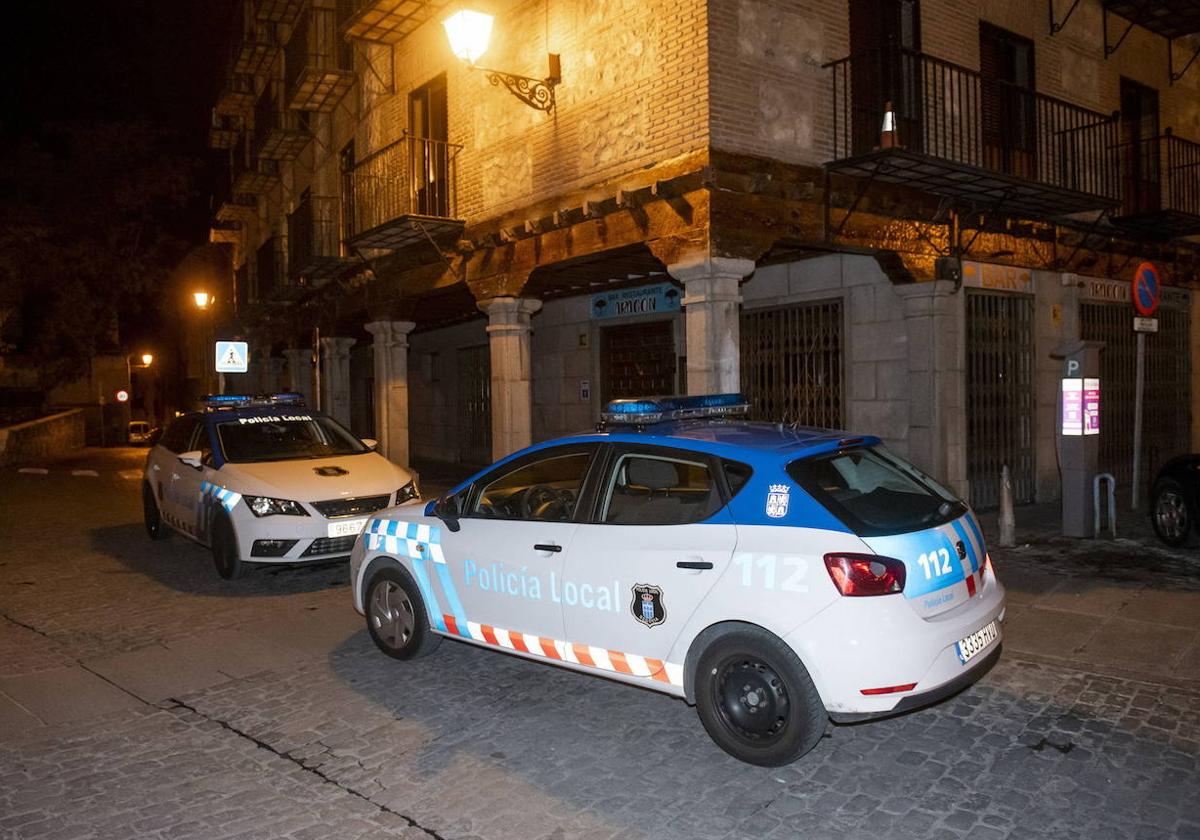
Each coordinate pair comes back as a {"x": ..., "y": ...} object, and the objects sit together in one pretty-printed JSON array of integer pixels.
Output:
[
  {"x": 1161, "y": 173},
  {"x": 960, "y": 116},
  {"x": 316, "y": 58},
  {"x": 254, "y": 45},
  {"x": 278, "y": 129},
  {"x": 412, "y": 176},
  {"x": 312, "y": 233},
  {"x": 251, "y": 174},
  {"x": 271, "y": 266}
]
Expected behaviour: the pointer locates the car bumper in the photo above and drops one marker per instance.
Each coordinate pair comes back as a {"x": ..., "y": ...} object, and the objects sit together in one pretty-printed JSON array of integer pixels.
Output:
[
  {"x": 309, "y": 538},
  {"x": 869, "y": 643}
]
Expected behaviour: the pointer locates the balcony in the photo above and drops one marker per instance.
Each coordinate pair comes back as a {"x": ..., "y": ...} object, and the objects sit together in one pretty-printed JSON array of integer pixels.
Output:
[
  {"x": 222, "y": 131},
  {"x": 270, "y": 268},
  {"x": 314, "y": 247},
  {"x": 251, "y": 174},
  {"x": 404, "y": 197},
  {"x": 318, "y": 62},
  {"x": 1161, "y": 188},
  {"x": 229, "y": 234},
  {"x": 279, "y": 132},
  {"x": 1168, "y": 18},
  {"x": 276, "y": 11},
  {"x": 236, "y": 98},
  {"x": 254, "y": 46},
  {"x": 234, "y": 208},
  {"x": 958, "y": 134},
  {"x": 387, "y": 21}
]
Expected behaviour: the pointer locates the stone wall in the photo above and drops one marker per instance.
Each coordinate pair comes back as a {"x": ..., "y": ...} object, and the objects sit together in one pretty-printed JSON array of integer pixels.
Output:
[{"x": 47, "y": 437}]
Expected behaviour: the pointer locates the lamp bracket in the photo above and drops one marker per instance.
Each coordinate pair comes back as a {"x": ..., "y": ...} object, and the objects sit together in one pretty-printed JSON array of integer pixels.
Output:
[{"x": 536, "y": 93}]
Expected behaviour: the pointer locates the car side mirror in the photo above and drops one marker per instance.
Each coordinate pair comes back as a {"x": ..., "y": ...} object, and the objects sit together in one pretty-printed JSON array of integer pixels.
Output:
[
  {"x": 370, "y": 443},
  {"x": 446, "y": 509},
  {"x": 192, "y": 459}
]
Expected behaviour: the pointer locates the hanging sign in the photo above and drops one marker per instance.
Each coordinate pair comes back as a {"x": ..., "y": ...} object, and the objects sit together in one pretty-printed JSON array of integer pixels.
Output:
[
  {"x": 1146, "y": 289},
  {"x": 644, "y": 300},
  {"x": 232, "y": 357}
]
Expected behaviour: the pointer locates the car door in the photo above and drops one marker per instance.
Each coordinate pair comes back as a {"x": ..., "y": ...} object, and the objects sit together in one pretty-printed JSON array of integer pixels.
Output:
[
  {"x": 187, "y": 480},
  {"x": 166, "y": 471},
  {"x": 659, "y": 538},
  {"x": 505, "y": 560}
]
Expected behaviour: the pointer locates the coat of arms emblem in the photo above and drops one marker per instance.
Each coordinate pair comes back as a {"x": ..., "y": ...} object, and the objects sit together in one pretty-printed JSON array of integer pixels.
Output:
[
  {"x": 777, "y": 501},
  {"x": 647, "y": 605}
]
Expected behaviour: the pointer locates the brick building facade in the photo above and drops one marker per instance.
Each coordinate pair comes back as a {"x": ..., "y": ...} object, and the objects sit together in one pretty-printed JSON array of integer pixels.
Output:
[{"x": 874, "y": 214}]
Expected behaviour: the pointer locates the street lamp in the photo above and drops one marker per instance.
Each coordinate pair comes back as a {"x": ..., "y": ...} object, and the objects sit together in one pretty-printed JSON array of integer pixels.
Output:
[
  {"x": 469, "y": 33},
  {"x": 202, "y": 299},
  {"x": 147, "y": 359}
]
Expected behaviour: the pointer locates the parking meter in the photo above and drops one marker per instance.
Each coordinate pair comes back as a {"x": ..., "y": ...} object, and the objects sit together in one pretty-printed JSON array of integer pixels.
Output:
[{"x": 1078, "y": 433}]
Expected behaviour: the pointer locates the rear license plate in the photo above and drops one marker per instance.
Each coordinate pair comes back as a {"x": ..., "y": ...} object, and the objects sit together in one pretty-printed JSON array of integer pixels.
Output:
[
  {"x": 347, "y": 528},
  {"x": 970, "y": 647}
]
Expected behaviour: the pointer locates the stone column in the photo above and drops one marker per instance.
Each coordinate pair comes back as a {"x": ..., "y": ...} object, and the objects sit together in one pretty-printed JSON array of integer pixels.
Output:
[
  {"x": 509, "y": 332},
  {"x": 712, "y": 306},
  {"x": 300, "y": 372},
  {"x": 391, "y": 387},
  {"x": 335, "y": 378},
  {"x": 935, "y": 316}
]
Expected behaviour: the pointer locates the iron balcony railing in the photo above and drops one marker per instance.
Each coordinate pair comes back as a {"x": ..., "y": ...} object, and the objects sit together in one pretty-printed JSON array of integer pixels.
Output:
[
  {"x": 414, "y": 176},
  {"x": 276, "y": 11},
  {"x": 280, "y": 133},
  {"x": 317, "y": 61},
  {"x": 957, "y": 115},
  {"x": 222, "y": 130},
  {"x": 387, "y": 21},
  {"x": 271, "y": 266},
  {"x": 254, "y": 45},
  {"x": 251, "y": 174},
  {"x": 1161, "y": 174},
  {"x": 313, "y": 243},
  {"x": 237, "y": 95}
]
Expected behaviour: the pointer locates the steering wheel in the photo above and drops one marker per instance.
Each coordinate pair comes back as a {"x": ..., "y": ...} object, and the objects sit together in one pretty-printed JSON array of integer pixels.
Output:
[{"x": 544, "y": 502}]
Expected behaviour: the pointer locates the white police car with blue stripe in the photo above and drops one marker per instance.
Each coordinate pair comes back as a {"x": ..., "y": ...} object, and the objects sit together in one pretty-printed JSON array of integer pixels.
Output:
[
  {"x": 774, "y": 576},
  {"x": 266, "y": 480}
]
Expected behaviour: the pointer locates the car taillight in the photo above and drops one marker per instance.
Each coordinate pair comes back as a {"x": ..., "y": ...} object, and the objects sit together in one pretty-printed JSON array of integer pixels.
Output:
[{"x": 865, "y": 574}]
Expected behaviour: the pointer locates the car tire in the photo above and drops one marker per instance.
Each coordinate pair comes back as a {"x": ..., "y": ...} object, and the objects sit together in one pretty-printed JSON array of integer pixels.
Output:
[
  {"x": 756, "y": 699},
  {"x": 1171, "y": 513},
  {"x": 156, "y": 529},
  {"x": 396, "y": 615},
  {"x": 225, "y": 550}
]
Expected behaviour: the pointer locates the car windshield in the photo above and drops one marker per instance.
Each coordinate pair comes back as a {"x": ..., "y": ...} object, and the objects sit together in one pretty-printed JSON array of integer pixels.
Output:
[
  {"x": 284, "y": 438},
  {"x": 874, "y": 492}
]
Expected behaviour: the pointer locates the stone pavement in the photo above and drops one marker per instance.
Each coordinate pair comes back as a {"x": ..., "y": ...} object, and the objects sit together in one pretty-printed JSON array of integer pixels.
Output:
[{"x": 142, "y": 696}]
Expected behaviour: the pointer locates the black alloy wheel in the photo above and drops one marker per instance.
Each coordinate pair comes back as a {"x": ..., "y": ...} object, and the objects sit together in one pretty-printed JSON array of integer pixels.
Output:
[
  {"x": 1171, "y": 513},
  {"x": 155, "y": 528},
  {"x": 225, "y": 551}
]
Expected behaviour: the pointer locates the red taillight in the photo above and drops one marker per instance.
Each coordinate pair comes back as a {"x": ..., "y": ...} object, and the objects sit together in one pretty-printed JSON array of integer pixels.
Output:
[
  {"x": 891, "y": 689},
  {"x": 865, "y": 574}
]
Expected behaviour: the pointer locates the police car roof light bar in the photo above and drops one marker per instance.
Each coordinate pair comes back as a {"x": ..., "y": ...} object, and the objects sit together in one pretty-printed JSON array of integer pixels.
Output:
[
  {"x": 215, "y": 401},
  {"x": 648, "y": 410}
]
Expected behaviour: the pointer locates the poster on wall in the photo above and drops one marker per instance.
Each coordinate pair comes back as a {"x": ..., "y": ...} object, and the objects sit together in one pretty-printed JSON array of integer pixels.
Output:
[
  {"x": 1072, "y": 407},
  {"x": 660, "y": 298},
  {"x": 1091, "y": 406}
]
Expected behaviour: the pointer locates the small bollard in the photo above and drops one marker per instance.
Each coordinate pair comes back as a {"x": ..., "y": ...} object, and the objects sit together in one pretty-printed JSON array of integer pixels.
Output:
[
  {"x": 1112, "y": 503},
  {"x": 1007, "y": 524}
]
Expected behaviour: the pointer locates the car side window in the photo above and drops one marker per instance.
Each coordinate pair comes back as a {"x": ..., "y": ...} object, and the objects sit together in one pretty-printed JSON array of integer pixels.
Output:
[
  {"x": 646, "y": 489},
  {"x": 545, "y": 490},
  {"x": 179, "y": 434}
]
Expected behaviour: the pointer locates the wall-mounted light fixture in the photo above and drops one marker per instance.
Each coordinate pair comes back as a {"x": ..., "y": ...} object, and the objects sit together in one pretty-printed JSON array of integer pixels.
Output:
[{"x": 469, "y": 33}]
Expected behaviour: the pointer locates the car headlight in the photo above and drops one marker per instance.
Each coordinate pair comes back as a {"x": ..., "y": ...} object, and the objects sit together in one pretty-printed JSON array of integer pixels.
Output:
[
  {"x": 407, "y": 492},
  {"x": 266, "y": 506}
]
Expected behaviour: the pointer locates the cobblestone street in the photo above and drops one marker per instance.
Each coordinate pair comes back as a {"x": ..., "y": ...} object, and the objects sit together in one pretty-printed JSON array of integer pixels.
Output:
[{"x": 142, "y": 696}]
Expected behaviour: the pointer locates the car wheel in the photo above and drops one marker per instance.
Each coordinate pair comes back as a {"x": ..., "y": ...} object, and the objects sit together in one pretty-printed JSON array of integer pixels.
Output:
[
  {"x": 225, "y": 550},
  {"x": 756, "y": 699},
  {"x": 396, "y": 616},
  {"x": 1171, "y": 513},
  {"x": 153, "y": 519}
]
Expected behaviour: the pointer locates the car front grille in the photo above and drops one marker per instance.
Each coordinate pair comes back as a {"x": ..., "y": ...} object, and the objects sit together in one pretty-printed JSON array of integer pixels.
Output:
[
  {"x": 331, "y": 508},
  {"x": 330, "y": 545}
]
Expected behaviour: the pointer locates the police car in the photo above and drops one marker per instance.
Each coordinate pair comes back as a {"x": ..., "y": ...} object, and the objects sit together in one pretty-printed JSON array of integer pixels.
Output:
[
  {"x": 773, "y": 576},
  {"x": 266, "y": 480}
]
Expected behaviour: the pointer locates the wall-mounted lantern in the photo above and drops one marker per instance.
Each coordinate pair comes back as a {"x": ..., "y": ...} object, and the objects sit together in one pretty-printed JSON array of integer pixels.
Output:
[{"x": 469, "y": 33}]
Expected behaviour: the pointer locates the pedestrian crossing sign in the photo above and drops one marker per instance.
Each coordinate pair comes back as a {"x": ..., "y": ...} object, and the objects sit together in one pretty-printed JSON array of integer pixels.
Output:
[{"x": 232, "y": 356}]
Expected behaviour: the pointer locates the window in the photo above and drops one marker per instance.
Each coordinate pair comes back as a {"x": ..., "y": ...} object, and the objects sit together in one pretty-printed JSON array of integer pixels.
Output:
[
  {"x": 546, "y": 490},
  {"x": 736, "y": 476},
  {"x": 1008, "y": 106},
  {"x": 656, "y": 490},
  {"x": 268, "y": 438},
  {"x": 179, "y": 434},
  {"x": 875, "y": 493}
]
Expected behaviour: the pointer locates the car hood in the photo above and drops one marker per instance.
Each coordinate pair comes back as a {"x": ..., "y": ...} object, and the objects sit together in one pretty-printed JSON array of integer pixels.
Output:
[{"x": 317, "y": 479}]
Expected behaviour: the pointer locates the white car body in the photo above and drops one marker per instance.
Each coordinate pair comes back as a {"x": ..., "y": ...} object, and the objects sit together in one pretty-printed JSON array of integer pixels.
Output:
[{"x": 337, "y": 493}]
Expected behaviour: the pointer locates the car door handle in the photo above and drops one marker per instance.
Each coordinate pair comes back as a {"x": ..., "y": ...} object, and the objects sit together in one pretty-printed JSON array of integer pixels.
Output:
[
  {"x": 693, "y": 564},
  {"x": 547, "y": 547}
]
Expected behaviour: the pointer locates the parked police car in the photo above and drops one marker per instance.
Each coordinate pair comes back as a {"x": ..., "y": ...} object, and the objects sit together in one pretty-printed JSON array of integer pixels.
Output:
[
  {"x": 266, "y": 480},
  {"x": 772, "y": 576}
]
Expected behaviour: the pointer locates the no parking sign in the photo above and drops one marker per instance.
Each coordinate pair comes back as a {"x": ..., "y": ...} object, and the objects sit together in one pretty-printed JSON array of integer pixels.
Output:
[{"x": 1147, "y": 290}]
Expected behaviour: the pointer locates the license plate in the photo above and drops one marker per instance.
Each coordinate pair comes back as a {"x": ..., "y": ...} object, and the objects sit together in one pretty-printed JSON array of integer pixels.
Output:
[
  {"x": 347, "y": 528},
  {"x": 970, "y": 647}
]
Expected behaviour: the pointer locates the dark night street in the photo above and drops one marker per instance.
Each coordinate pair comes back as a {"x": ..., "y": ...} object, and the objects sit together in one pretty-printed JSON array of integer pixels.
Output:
[{"x": 142, "y": 696}]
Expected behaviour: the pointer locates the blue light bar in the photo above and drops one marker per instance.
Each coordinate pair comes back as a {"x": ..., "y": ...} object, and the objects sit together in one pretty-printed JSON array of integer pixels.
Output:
[
  {"x": 215, "y": 401},
  {"x": 640, "y": 412}
]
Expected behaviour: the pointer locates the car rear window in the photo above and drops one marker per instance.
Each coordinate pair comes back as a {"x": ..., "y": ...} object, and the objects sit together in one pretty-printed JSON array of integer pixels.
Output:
[{"x": 875, "y": 493}]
